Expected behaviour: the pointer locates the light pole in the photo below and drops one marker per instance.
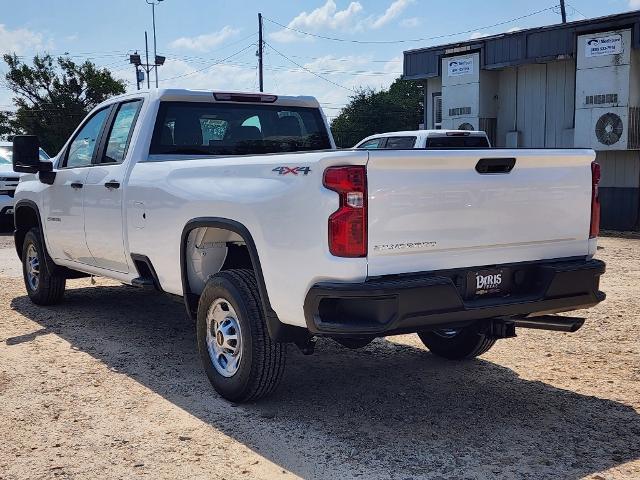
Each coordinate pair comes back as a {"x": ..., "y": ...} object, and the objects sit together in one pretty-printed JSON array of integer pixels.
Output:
[{"x": 153, "y": 4}]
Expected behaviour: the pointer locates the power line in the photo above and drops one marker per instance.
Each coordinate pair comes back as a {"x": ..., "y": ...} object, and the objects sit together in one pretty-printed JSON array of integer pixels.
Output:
[
  {"x": 309, "y": 71},
  {"x": 210, "y": 66},
  {"x": 424, "y": 39}
]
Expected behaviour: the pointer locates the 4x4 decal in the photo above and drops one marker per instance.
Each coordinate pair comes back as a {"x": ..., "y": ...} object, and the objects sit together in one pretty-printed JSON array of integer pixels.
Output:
[{"x": 293, "y": 170}]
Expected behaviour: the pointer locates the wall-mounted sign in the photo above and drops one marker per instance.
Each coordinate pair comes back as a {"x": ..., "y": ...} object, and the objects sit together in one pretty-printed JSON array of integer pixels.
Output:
[
  {"x": 601, "y": 46},
  {"x": 460, "y": 66}
]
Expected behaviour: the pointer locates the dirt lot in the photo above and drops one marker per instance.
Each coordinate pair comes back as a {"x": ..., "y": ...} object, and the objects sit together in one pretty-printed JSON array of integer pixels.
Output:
[{"x": 108, "y": 386}]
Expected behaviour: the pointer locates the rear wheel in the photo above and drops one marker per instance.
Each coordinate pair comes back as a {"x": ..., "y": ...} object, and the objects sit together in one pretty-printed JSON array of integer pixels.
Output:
[
  {"x": 43, "y": 286},
  {"x": 238, "y": 355},
  {"x": 457, "y": 344}
]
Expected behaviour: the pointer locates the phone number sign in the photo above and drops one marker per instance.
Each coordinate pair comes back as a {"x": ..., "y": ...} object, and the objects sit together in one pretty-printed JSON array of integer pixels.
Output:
[
  {"x": 460, "y": 66},
  {"x": 602, "y": 46}
]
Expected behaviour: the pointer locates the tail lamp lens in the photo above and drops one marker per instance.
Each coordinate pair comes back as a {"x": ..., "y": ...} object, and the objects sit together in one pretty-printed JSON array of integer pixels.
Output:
[
  {"x": 348, "y": 224},
  {"x": 594, "y": 230}
]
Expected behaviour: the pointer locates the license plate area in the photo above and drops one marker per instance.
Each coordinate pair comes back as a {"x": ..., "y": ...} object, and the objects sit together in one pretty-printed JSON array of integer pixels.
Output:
[{"x": 488, "y": 283}]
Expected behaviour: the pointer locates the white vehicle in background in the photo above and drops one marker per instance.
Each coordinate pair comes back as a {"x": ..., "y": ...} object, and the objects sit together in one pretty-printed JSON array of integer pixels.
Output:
[
  {"x": 427, "y": 139},
  {"x": 239, "y": 205},
  {"x": 9, "y": 181}
]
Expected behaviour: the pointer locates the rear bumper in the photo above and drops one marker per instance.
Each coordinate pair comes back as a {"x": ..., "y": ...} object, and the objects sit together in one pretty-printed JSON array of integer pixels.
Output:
[{"x": 413, "y": 302}]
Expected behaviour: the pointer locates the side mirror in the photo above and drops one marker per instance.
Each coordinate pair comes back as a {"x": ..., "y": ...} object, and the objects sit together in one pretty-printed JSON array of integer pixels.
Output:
[{"x": 26, "y": 154}]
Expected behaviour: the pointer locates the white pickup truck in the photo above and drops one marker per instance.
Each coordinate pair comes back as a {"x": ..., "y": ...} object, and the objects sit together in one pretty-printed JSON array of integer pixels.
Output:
[{"x": 240, "y": 206}]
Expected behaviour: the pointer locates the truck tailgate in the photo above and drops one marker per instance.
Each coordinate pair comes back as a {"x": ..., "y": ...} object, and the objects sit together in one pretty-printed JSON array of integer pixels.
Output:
[{"x": 432, "y": 210}]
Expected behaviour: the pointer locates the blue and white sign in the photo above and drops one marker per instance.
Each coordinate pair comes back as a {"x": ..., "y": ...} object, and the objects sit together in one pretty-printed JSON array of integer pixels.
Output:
[
  {"x": 602, "y": 46},
  {"x": 460, "y": 66}
]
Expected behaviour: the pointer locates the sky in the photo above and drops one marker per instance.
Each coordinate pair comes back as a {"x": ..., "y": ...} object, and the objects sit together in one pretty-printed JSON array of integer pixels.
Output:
[{"x": 211, "y": 44}]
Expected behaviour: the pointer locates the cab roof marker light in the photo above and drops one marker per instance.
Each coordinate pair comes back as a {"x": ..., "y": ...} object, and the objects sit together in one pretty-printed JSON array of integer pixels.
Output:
[{"x": 244, "y": 97}]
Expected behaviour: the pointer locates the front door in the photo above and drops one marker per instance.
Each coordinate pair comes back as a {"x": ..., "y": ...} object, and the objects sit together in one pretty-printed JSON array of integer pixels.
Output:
[
  {"x": 103, "y": 214},
  {"x": 63, "y": 201}
]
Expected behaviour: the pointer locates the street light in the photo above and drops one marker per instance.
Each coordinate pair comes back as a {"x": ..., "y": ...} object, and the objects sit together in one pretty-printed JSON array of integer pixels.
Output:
[{"x": 153, "y": 4}]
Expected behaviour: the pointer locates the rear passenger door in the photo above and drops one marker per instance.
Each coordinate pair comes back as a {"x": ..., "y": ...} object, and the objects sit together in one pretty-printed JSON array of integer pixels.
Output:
[{"x": 103, "y": 196}]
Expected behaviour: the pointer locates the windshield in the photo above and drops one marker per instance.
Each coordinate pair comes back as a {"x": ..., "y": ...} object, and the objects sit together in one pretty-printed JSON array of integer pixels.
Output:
[
  {"x": 6, "y": 155},
  {"x": 188, "y": 128}
]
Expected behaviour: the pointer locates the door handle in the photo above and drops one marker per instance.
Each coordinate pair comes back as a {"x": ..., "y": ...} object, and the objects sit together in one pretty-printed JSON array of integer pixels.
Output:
[
  {"x": 112, "y": 184},
  {"x": 76, "y": 185}
]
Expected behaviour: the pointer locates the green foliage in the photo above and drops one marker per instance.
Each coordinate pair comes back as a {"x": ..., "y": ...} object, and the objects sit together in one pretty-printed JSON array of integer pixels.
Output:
[
  {"x": 370, "y": 112},
  {"x": 53, "y": 96}
]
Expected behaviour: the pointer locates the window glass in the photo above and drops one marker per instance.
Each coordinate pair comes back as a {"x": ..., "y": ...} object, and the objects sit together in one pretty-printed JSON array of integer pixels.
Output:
[
  {"x": 400, "y": 143},
  {"x": 373, "y": 143},
  {"x": 6, "y": 153},
  {"x": 121, "y": 132},
  {"x": 189, "y": 128},
  {"x": 458, "y": 142},
  {"x": 85, "y": 142}
]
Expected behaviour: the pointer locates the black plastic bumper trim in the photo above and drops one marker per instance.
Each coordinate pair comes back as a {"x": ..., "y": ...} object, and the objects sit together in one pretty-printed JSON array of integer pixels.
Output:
[{"x": 414, "y": 302}]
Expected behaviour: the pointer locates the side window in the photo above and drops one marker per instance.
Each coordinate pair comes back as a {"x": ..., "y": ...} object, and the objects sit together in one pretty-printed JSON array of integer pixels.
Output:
[
  {"x": 121, "y": 130},
  {"x": 400, "y": 143},
  {"x": 373, "y": 143},
  {"x": 85, "y": 142}
]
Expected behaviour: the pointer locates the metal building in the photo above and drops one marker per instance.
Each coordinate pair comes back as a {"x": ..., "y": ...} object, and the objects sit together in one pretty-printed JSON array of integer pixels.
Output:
[{"x": 569, "y": 85}]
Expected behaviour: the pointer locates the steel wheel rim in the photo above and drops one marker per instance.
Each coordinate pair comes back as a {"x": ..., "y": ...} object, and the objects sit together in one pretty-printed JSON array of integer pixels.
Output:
[
  {"x": 33, "y": 267},
  {"x": 447, "y": 332},
  {"x": 224, "y": 337}
]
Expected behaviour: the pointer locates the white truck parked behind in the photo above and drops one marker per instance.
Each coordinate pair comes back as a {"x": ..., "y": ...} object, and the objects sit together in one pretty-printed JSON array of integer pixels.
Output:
[
  {"x": 429, "y": 139},
  {"x": 239, "y": 205}
]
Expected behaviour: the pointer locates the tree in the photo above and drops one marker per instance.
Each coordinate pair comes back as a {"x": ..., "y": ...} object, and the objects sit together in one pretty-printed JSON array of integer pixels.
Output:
[
  {"x": 52, "y": 97},
  {"x": 369, "y": 112}
]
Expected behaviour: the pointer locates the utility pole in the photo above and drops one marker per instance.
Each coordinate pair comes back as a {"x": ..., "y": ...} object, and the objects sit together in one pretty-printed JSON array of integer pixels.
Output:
[
  {"x": 146, "y": 49},
  {"x": 563, "y": 11},
  {"x": 153, "y": 17},
  {"x": 156, "y": 61},
  {"x": 260, "y": 47}
]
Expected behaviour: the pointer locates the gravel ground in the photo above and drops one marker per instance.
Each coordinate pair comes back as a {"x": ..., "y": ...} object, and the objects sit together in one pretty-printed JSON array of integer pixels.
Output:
[{"x": 108, "y": 385}]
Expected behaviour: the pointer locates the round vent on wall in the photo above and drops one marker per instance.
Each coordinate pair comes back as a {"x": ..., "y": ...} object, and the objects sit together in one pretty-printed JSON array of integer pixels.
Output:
[
  {"x": 465, "y": 126},
  {"x": 609, "y": 129}
]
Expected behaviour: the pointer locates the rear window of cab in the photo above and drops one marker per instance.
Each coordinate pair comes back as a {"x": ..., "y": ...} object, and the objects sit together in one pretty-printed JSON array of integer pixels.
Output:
[{"x": 191, "y": 128}]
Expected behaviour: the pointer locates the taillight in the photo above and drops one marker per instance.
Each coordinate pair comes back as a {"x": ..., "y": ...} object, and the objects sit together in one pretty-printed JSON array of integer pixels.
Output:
[
  {"x": 594, "y": 230},
  {"x": 348, "y": 224}
]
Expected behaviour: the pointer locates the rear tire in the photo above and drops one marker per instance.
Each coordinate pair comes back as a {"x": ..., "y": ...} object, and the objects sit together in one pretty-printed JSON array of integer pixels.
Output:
[
  {"x": 43, "y": 286},
  {"x": 242, "y": 362},
  {"x": 467, "y": 342}
]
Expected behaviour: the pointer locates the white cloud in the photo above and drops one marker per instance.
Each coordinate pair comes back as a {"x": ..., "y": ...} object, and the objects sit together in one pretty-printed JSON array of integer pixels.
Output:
[
  {"x": 325, "y": 17},
  {"x": 395, "y": 9},
  {"x": 476, "y": 35},
  {"x": 634, "y": 3},
  {"x": 517, "y": 29},
  {"x": 206, "y": 42},
  {"x": 411, "y": 22},
  {"x": 21, "y": 40}
]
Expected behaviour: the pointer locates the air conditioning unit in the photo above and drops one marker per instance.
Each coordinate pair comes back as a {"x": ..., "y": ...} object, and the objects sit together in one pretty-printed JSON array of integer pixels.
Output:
[
  {"x": 607, "y": 92},
  {"x": 469, "y": 94}
]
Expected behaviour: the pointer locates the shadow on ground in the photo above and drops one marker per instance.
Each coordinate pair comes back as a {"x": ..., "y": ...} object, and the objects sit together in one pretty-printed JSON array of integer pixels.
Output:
[{"x": 387, "y": 410}]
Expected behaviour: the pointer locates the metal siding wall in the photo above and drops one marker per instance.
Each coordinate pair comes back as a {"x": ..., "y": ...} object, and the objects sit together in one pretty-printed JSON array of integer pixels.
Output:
[
  {"x": 620, "y": 169},
  {"x": 620, "y": 189},
  {"x": 507, "y": 88},
  {"x": 560, "y": 104},
  {"x": 531, "y": 102}
]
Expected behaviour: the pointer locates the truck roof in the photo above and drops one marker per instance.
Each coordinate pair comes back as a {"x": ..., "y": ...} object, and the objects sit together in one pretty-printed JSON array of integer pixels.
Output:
[
  {"x": 427, "y": 133},
  {"x": 187, "y": 95}
]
